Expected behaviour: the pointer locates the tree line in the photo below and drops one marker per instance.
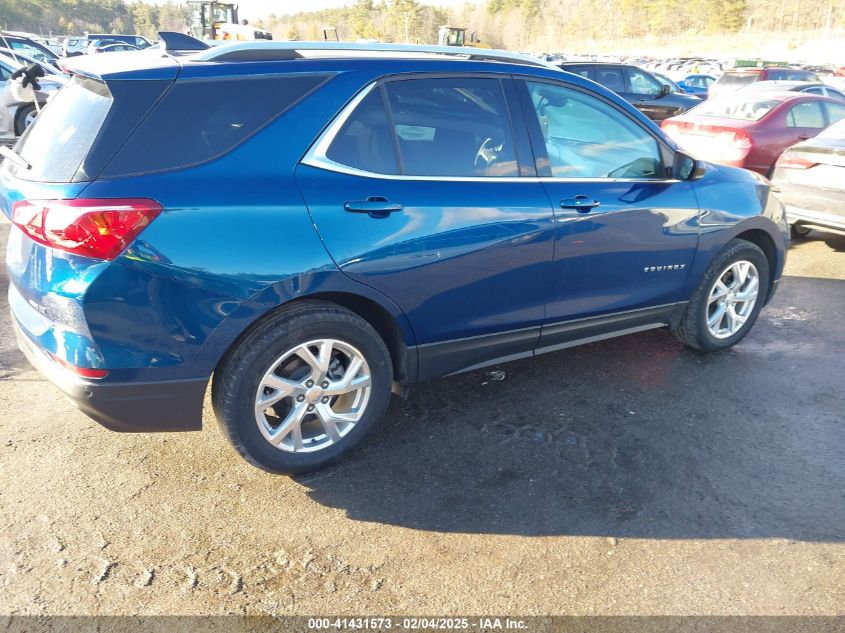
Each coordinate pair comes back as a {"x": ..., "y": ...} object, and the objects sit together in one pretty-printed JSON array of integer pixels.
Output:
[
  {"x": 512, "y": 24},
  {"x": 75, "y": 17}
]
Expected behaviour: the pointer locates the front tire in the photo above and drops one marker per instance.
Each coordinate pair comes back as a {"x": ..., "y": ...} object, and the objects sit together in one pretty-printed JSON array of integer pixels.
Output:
[
  {"x": 728, "y": 300},
  {"x": 303, "y": 388}
]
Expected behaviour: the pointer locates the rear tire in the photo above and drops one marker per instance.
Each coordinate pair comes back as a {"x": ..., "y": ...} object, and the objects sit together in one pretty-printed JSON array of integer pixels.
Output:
[
  {"x": 303, "y": 388},
  {"x": 22, "y": 116},
  {"x": 720, "y": 312}
]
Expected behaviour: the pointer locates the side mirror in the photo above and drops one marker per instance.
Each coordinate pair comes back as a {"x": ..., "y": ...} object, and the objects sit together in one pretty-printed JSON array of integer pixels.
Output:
[
  {"x": 664, "y": 90},
  {"x": 686, "y": 167}
]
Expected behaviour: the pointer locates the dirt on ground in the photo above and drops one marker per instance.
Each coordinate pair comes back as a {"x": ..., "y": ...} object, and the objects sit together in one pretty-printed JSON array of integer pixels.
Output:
[{"x": 631, "y": 476}]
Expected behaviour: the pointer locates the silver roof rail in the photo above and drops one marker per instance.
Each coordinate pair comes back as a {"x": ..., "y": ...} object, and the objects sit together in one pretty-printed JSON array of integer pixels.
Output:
[{"x": 269, "y": 50}]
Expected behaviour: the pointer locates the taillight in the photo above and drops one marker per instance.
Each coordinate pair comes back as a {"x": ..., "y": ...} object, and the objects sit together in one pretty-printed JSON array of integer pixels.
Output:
[
  {"x": 672, "y": 129},
  {"x": 793, "y": 161},
  {"x": 741, "y": 141},
  {"x": 85, "y": 372},
  {"x": 740, "y": 145},
  {"x": 95, "y": 228}
]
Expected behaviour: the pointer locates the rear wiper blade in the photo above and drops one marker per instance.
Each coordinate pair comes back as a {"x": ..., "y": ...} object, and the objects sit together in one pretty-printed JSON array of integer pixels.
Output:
[{"x": 12, "y": 155}]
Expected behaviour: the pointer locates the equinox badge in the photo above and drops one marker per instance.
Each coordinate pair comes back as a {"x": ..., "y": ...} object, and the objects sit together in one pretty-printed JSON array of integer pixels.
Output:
[{"x": 658, "y": 269}]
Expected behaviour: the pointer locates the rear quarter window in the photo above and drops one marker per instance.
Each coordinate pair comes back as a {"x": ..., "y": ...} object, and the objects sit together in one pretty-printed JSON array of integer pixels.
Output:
[{"x": 199, "y": 120}]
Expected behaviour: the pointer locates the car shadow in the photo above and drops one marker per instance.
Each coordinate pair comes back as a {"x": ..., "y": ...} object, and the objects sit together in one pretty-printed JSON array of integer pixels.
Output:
[
  {"x": 631, "y": 437},
  {"x": 833, "y": 239}
]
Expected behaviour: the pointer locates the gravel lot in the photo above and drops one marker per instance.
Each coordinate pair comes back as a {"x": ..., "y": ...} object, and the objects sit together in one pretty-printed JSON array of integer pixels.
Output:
[{"x": 625, "y": 477}]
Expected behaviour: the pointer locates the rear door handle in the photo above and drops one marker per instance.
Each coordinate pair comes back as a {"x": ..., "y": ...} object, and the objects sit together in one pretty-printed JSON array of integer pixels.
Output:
[
  {"x": 374, "y": 206},
  {"x": 581, "y": 203}
]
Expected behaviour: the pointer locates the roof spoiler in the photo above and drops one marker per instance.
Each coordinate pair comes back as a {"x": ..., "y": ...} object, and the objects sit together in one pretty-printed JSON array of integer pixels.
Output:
[{"x": 173, "y": 41}]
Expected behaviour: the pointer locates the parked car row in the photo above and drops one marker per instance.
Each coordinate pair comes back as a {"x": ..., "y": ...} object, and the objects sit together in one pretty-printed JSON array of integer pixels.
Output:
[
  {"x": 19, "y": 49},
  {"x": 16, "y": 114}
]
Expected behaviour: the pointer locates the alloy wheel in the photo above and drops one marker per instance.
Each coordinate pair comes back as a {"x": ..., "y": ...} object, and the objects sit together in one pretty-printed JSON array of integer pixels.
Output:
[
  {"x": 313, "y": 395},
  {"x": 732, "y": 299}
]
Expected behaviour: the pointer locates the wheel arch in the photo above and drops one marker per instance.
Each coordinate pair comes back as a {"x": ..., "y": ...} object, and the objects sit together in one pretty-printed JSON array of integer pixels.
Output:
[
  {"x": 386, "y": 324},
  {"x": 404, "y": 362},
  {"x": 764, "y": 241}
]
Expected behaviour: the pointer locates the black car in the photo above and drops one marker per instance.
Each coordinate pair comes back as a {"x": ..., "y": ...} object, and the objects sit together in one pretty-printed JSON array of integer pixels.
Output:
[
  {"x": 642, "y": 89},
  {"x": 811, "y": 179}
]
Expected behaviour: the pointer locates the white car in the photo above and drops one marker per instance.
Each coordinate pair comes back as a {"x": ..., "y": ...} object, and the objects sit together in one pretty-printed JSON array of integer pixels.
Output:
[
  {"x": 74, "y": 46},
  {"x": 17, "y": 115}
]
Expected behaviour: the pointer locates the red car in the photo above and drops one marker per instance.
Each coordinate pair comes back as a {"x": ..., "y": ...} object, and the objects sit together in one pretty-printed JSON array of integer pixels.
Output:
[{"x": 752, "y": 130}]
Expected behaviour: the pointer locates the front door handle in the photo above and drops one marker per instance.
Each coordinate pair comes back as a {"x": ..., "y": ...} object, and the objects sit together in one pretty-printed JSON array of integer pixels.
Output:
[
  {"x": 374, "y": 206},
  {"x": 581, "y": 203}
]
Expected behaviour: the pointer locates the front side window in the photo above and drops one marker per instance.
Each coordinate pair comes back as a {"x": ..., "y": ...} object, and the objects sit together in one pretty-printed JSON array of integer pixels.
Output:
[
  {"x": 807, "y": 115},
  {"x": 457, "y": 126},
  {"x": 641, "y": 84},
  {"x": 588, "y": 138}
]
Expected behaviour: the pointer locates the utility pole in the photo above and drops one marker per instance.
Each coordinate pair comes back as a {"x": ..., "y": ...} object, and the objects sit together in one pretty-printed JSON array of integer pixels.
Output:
[{"x": 407, "y": 18}]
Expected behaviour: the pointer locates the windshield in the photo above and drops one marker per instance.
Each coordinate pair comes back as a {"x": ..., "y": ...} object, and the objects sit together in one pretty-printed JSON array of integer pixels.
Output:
[
  {"x": 746, "y": 109},
  {"x": 18, "y": 60}
]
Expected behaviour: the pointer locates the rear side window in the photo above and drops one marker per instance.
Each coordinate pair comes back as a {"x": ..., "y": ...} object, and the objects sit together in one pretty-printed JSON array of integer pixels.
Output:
[
  {"x": 584, "y": 72},
  {"x": 199, "y": 120},
  {"x": 364, "y": 141},
  {"x": 64, "y": 132},
  {"x": 611, "y": 78},
  {"x": 457, "y": 126},
  {"x": 806, "y": 115}
]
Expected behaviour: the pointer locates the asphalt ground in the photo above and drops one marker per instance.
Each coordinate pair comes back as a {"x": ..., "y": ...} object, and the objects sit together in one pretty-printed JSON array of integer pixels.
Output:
[{"x": 631, "y": 476}]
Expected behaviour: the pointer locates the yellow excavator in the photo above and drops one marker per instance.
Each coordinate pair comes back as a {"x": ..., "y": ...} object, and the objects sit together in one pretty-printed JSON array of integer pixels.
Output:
[
  {"x": 457, "y": 36},
  {"x": 211, "y": 20}
]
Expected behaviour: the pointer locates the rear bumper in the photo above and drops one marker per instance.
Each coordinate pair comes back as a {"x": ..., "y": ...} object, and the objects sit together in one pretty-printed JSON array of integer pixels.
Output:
[{"x": 174, "y": 405}]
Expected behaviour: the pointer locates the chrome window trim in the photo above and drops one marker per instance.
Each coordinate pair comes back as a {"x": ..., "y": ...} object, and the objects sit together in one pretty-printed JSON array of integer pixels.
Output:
[{"x": 317, "y": 157}]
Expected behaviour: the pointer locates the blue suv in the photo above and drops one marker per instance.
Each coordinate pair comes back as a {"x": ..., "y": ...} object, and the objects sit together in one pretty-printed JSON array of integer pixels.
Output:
[{"x": 311, "y": 227}]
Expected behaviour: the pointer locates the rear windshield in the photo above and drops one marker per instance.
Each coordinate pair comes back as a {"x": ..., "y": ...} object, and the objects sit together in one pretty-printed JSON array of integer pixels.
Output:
[
  {"x": 789, "y": 74},
  {"x": 747, "y": 109},
  {"x": 64, "y": 131},
  {"x": 201, "y": 119},
  {"x": 737, "y": 80}
]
